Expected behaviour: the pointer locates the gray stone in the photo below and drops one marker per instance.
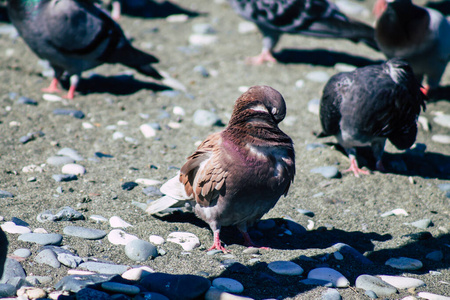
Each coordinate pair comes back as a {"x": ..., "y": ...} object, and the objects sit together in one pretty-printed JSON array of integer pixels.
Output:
[
  {"x": 26, "y": 101},
  {"x": 404, "y": 263},
  {"x": 203, "y": 28},
  {"x": 36, "y": 280},
  {"x": 265, "y": 225},
  {"x": 69, "y": 260},
  {"x": 318, "y": 282},
  {"x": 120, "y": 288},
  {"x": 435, "y": 255},
  {"x": 84, "y": 233},
  {"x": 306, "y": 212},
  {"x": 152, "y": 191},
  {"x": 69, "y": 112},
  {"x": 371, "y": 294},
  {"x": 13, "y": 269},
  {"x": 42, "y": 238},
  {"x": 349, "y": 250},
  {"x": 327, "y": 171},
  {"x": 68, "y": 214},
  {"x": 139, "y": 250},
  {"x": 64, "y": 177},
  {"x": 74, "y": 283},
  {"x": 103, "y": 268},
  {"x": 285, "y": 268},
  {"x": 205, "y": 118},
  {"x": 422, "y": 224},
  {"x": 19, "y": 222},
  {"x": 375, "y": 284},
  {"x": 47, "y": 257},
  {"x": 294, "y": 227},
  {"x": 5, "y": 194},
  {"x": 331, "y": 294},
  {"x": 22, "y": 252},
  {"x": 445, "y": 187},
  {"x": 70, "y": 153},
  {"x": 202, "y": 71},
  {"x": 59, "y": 160},
  {"x": 7, "y": 290}
]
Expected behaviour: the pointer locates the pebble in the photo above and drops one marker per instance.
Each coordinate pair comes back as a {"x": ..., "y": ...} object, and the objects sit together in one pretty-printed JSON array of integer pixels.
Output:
[
  {"x": 32, "y": 169},
  {"x": 176, "y": 287},
  {"x": 5, "y": 194},
  {"x": 213, "y": 252},
  {"x": 314, "y": 106},
  {"x": 26, "y": 100},
  {"x": 424, "y": 122},
  {"x": 404, "y": 263},
  {"x": 84, "y": 233},
  {"x": 36, "y": 280},
  {"x": 251, "y": 250},
  {"x": 375, "y": 284},
  {"x": 121, "y": 288},
  {"x": 395, "y": 212},
  {"x": 118, "y": 135},
  {"x": 331, "y": 275},
  {"x": 69, "y": 260},
  {"x": 139, "y": 250},
  {"x": 117, "y": 222},
  {"x": 265, "y": 225},
  {"x": 47, "y": 257},
  {"x": 102, "y": 155},
  {"x": 137, "y": 273},
  {"x": 51, "y": 98},
  {"x": 202, "y": 71},
  {"x": 341, "y": 67},
  {"x": 317, "y": 282},
  {"x": 41, "y": 238},
  {"x": 128, "y": 186},
  {"x": 338, "y": 256},
  {"x": 59, "y": 160},
  {"x": 203, "y": 28},
  {"x": 431, "y": 296},
  {"x": 217, "y": 294},
  {"x": 64, "y": 177},
  {"x": 146, "y": 181},
  {"x": 228, "y": 285},
  {"x": 245, "y": 27},
  {"x": 31, "y": 136},
  {"x": 401, "y": 282},
  {"x": 147, "y": 130},
  {"x": 177, "y": 18},
  {"x": 22, "y": 252},
  {"x": 331, "y": 294},
  {"x": 352, "y": 8},
  {"x": 299, "y": 83},
  {"x": 120, "y": 237},
  {"x": 445, "y": 187},
  {"x": 285, "y": 268},
  {"x": 443, "y": 120},
  {"x": 19, "y": 222},
  {"x": 65, "y": 214},
  {"x": 441, "y": 138},
  {"x": 178, "y": 110},
  {"x": 7, "y": 290},
  {"x": 69, "y": 112},
  {"x": 87, "y": 125},
  {"x": 75, "y": 283},
  {"x": 435, "y": 255},
  {"x": 327, "y": 171},
  {"x": 11, "y": 227},
  {"x": 346, "y": 249},
  {"x": 318, "y": 76},
  {"x": 152, "y": 191},
  {"x": 75, "y": 169},
  {"x": 202, "y": 39},
  {"x": 103, "y": 268},
  {"x": 156, "y": 239},
  {"x": 372, "y": 295},
  {"x": 422, "y": 224},
  {"x": 187, "y": 240},
  {"x": 70, "y": 153},
  {"x": 205, "y": 118}
]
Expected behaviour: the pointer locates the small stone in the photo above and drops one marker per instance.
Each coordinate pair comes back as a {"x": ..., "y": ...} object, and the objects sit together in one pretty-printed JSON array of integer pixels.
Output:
[
  {"x": 120, "y": 237},
  {"x": 139, "y": 250},
  {"x": 341, "y": 67},
  {"x": 352, "y": 8},
  {"x": 32, "y": 169},
  {"x": 128, "y": 186},
  {"x": 156, "y": 239},
  {"x": 75, "y": 169},
  {"x": 404, "y": 263},
  {"x": 47, "y": 257},
  {"x": 285, "y": 268},
  {"x": 118, "y": 135},
  {"x": 300, "y": 83},
  {"x": 310, "y": 225},
  {"x": 187, "y": 240},
  {"x": 202, "y": 39},
  {"x": 431, "y": 296},
  {"x": 435, "y": 255},
  {"x": 103, "y": 268},
  {"x": 103, "y": 155},
  {"x": 177, "y": 18},
  {"x": 217, "y": 294},
  {"x": 346, "y": 249},
  {"x": 11, "y": 227},
  {"x": 265, "y": 225},
  {"x": 443, "y": 120},
  {"x": 318, "y": 76},
  {"x": 228, "y": 285},
  {"x": 69, "y": 260},
  {"x": 84, "y": 233},
  {"x": 395, "y": 212},
  {"x": 205, "y": 118},
  {"x": 22, "y": 252},
  {"x": 371, "y": 283},
  {"x": 422, "y": 224},
  {"x": 116, "y": 287},
  {"x": 213, "y": 252},
  {"x": 69, "y": 112},
  {"x": 75, "y": 283},
  {"x": 245, "y": 27},
  {"x": 314, "y": 106},
  {"x": 137, "y": 273},
  {"x": 51, "y": 98},
  {"x": 147, "y": 130},
  {"x": 203, "y": 28},
  {"x": 251, "y": 250},
  {"x": 64, "y": 177},
  {"x": 372, "y": 295},
  {"x": 441, "y": 138},
  {"x": 327, "y": 171},
  {"x": 42, "y": 238},
  {"x": 331, "y": 294},
  {"x": 306, "y": 212},
  {"x": 36, "y": 280},
  {"x": 331, "y": 275},
  {"x": 59, "y": 160},
  {"x": 26, "y": 100},
  {"x": 445, "y": 187},
  {"x": 178, "y": 110},
  {"x": 146, "y": 181},
  {"x": 67, "y": 213},
  {"x": 87, "y": 125},
  {"x": 5, "y": 194},
  {"x": 338, "y": 256},
  {"x": 117, "y": 222},
  {"x": 401, "y": 282}
]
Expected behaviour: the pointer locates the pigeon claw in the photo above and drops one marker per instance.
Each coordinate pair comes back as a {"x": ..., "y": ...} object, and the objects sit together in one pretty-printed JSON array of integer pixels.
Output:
[
  {"x": 53, "y": 87},
  {"x": 355, "y": 169},
  {"x": 265, "y": 56},
  {"x": 217, "y": 245}
]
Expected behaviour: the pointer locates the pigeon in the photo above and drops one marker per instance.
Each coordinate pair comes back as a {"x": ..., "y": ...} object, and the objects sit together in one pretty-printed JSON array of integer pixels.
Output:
[
  {"x": 419, "y": 35},
  {"x": 319, "y": 18},
  {"x": 237, "y": 175},
  {"x": 369, "y": 105},
  {"x": 3, "y": 251},
  {"x": 74, "y": 36}
]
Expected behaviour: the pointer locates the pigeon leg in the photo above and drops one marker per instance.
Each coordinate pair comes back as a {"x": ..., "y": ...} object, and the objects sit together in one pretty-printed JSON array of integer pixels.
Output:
[
  {"x": 379, "y": 7},
  {"x": 74, "y": 79},
  {"x": 116, "y": 10},
  {"x": 53, "y": 87},
  {"x": 249, "y": 243},
  {"x": 264, "y": 56},
  {"x": 217, "y": 243},
  {"x": 354, "y": 167},
  {"x": 425, "y": 89}
]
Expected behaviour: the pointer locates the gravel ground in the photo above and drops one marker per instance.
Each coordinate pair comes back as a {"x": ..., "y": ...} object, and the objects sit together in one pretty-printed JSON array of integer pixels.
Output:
[{"x": 347, "y": 209}]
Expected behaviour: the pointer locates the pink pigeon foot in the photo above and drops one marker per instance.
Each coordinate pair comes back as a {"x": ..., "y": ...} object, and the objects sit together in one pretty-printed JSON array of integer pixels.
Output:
[
  {"x": 217, "y": 245},
  {"x": 379, "y": 7},
  {"x": 71, "y": 93},
  {"x": 53, "y": 87},
  {"x": 425, "y": 89},
  {"x": 265, "y": 56},
  {"x": 354, "y": 168}
]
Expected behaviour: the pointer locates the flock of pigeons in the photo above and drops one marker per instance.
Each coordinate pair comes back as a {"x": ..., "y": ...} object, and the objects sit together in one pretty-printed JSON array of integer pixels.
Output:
[{"x": 235, "y": 176}]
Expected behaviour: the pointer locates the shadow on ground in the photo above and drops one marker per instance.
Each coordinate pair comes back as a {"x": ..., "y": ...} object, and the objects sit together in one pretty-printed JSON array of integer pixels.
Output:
[
  {"x": 440, "y": 93},
  {"x": 151, "y": 9}
]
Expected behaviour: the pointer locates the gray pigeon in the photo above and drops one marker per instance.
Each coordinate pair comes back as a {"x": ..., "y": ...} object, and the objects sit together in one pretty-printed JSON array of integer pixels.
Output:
[
  {"x": 369, "y": 105},
  {"x": 75, "y": 36},
  {"x": 419, "y": 35},
  {"x": 237, "y": 175},
  {"x": 3, "y": 251},
  {"x": 319, "y": 18}
]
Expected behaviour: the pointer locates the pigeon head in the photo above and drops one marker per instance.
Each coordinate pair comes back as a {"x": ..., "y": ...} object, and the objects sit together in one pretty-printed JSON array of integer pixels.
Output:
[{"x": 259, "y": 103}]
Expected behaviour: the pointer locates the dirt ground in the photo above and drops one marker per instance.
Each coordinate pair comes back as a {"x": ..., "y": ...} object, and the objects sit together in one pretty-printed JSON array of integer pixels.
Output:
[{"x": 348, "y": 211}]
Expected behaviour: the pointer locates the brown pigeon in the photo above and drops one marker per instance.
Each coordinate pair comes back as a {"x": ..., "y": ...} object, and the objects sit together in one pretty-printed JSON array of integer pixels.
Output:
[
  {"x": 369, "y": 105},
  {"x": 237, "y": 175}
]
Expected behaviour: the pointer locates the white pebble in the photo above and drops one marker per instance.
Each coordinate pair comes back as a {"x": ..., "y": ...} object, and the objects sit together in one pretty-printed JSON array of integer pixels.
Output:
[
  {"x": 299, "y": 83},
  {"x": 118, "y": 135},
  {"x": 246, "y": 27},
  {"x": 424, "y": 122},
  {"x": 443, "y": 120},
  {"x": 137, "y": 273},
  {"x": 98, "y": 218},
  {"x": 318, "y": 76},
  {"x": 314, "y": 106},
  {"x": 331, "y": 275},
  {"x": 146, "y": 181},
  {"x": 79, "y": 272},
  {"x": 202, "y": 39},
  {"x": 441, "y": 138},
  {"x": 147, "y": 130},
  {"x": 431, "y": 296},
  {"x": 117, "y": 222},
  {"x": 32, "y": 169},
  {"x": 243, "y": 88},
  {"x": 51, "y": 98},
  {"x": 341, "y": 67},
  {"x": 401, "y": 282},
  {"x": 11, "y": 227},
  {"x": 120, "y": 237},
  {"x": 395, "y": 212},
  {"x": 40, "y": 230},
  {"x": 285, "y": 268},
  {"x": 122, "y": 123},
  {"x": 178, "y": 18},
  {"x": 14, "y": 124},
  {"x": 310, "y": 225},
  {"x": 228, "y": 285},
  {"x": 87, "y": 125},
  {"x": 178, "y": 110},
  {"x": 174, "y": 125},
  {"x": 73, "y": 169},
  {"x": 187, "y": 240},
  {"x": 156, "y": 239}
]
